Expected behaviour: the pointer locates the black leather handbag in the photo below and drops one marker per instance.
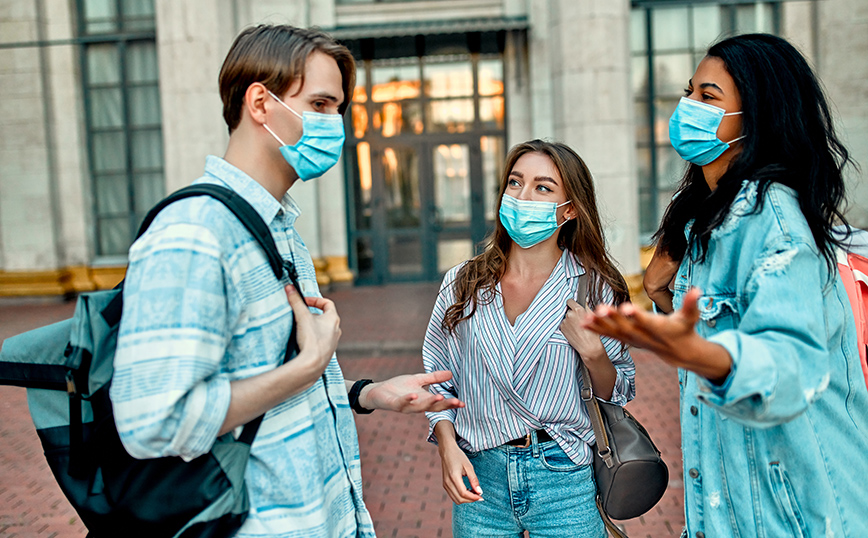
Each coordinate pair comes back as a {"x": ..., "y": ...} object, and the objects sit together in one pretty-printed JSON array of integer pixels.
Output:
[{"x": 631, "y": 476}]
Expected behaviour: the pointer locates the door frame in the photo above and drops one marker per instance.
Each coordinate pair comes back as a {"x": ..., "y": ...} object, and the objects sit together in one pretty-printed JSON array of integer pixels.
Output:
[{"x": 431, "y": 229}]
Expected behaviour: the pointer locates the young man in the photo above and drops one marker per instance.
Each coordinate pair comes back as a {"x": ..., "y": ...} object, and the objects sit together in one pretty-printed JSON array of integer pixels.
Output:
[{"x": 205, "y": 323}]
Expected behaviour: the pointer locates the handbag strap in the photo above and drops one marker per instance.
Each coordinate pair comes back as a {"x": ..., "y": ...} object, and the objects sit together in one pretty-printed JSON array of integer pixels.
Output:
[{"x": 604, "y": 450}]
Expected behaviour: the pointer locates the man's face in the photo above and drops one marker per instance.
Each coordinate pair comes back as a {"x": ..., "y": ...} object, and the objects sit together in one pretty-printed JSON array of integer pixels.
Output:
[{"x": 322, "y": 92}]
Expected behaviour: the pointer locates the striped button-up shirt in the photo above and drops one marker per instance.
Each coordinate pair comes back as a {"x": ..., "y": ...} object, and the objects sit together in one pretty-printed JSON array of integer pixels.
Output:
[
  {"x": 202, "y": 308},
  {"x": 522, "y": 377}
]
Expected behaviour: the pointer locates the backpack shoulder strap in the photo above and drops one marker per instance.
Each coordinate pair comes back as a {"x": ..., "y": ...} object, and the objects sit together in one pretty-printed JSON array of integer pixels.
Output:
[
  {"x": 245, "y": 214},
  {"x": 239, "y": 207},
  {"x": 260, "y": 232}
]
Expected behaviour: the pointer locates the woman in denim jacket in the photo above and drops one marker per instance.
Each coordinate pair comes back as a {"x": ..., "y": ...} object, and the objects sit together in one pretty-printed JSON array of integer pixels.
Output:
[{"x": 774, "y": 408}]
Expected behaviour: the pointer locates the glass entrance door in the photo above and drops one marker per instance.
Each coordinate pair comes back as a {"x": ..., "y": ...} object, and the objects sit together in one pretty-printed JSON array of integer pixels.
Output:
[
  {"x": 420, "y": 208},
  {"x": 425, "y": 143}
]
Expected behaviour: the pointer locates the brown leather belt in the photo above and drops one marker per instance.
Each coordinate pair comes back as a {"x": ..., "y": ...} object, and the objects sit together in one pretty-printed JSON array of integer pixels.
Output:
[{"x": 524, "y": 442}]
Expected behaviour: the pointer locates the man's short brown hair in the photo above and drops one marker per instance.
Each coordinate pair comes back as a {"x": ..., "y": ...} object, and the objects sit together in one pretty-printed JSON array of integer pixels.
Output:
[{"x": 276, "y": 55}]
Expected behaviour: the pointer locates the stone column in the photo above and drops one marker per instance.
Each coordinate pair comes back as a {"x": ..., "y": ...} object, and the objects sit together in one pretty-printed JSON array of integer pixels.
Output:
[
  {"x": 842, "y": 27},
  {"x": 592, "y": 108},
  {"x": 66, "y": 122},
  {"x": 192, "y": 41},
  {"x": 28, "y": 230}
]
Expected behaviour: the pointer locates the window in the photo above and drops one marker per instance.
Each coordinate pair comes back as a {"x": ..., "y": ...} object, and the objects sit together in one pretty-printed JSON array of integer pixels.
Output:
[
  {"x": 122, "y": 103},
  {"x": 667, "y": 42}
]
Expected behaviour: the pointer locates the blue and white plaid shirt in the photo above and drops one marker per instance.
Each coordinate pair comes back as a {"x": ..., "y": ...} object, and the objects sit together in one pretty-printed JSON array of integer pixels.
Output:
[{"x": 202, "y": 308}]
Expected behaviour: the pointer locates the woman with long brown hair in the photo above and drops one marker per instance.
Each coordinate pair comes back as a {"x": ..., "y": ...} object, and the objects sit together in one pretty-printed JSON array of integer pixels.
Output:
[{"x": 507, "y": 325}]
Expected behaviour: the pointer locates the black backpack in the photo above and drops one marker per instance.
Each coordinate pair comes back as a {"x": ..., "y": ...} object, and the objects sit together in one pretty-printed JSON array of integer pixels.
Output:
[{"x": 67, "y": 369}]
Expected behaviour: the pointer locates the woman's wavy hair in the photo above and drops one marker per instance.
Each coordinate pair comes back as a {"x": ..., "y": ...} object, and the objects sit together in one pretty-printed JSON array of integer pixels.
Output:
[
  {"x": 476, "y": 281},
  {"x": 788, "y": 139}
]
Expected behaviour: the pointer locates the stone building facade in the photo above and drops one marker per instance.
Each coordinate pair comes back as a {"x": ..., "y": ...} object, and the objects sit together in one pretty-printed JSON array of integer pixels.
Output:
[{"x": 107, "y": 105}]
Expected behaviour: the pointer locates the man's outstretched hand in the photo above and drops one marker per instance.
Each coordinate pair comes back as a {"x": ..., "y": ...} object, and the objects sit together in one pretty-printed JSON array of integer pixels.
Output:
[{"x": 408, "y": 394}]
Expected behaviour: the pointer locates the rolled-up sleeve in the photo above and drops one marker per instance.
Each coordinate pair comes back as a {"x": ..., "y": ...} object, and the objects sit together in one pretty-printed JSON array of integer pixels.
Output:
[
  {"x": 435, "y": 354},
  {"x": 169, "y": 396},
  {"x": 780, "y": 360}
]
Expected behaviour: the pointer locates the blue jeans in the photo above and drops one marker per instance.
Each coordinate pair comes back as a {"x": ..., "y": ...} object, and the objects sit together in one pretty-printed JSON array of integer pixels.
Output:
[{"x": 536, "y": 489}]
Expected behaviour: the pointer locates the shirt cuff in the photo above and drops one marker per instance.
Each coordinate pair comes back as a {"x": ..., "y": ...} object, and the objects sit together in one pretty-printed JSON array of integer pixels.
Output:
[
  {"x": 204, "y": 412},
  {"x": 749, "y": 383},
  {"x": 434, "y": 418}
]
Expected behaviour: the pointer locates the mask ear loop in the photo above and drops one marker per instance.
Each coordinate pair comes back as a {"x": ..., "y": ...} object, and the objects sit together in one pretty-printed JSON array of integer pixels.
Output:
[
  {"x": 276, "y": 98},
  {"x": 267, "y": 128},
  {"x": 566, "y": 219},
  {"x": 742, "y": 136}
]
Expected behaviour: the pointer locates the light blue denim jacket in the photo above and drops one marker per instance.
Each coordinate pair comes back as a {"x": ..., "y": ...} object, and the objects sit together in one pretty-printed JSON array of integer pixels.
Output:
[{"x": 781, "y": 448}]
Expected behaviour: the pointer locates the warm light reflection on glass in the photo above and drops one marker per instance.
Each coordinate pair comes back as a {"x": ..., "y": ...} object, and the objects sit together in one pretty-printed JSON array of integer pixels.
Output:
[
  {"x": 451, "y": 182},
  {"x": 490, "y": 87},
  {"x": 491, "y": 109},
  {"x": 453, "y": 79},
  {"x": 360, "y": 95},
  {"x": 360, "y": 120},
  {"x": 451, "y": 116},
  {"x": 390, "y": 162},
  {"x": 391, "y": 119},
  {"x": 395, "y": 90},
  {"x": 363, "y": 153}
]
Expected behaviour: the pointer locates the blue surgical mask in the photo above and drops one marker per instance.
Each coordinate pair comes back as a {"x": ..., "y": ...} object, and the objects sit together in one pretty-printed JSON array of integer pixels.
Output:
[
  {"x": 528, "y": 222},
  {"x": 320, "y": 145},
  {"x": 693, "y": 131}
]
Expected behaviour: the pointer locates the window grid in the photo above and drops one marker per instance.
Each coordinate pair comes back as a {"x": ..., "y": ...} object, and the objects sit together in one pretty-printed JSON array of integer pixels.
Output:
[
  {"x": 663, "y": 57},
  {"x": 122, "y": 108}
]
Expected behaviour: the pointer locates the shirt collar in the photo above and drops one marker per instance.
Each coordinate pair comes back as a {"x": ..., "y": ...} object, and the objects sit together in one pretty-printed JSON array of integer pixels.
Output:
[
  {"x": 572, "y": 267},
  {"x": 251, "y": 190}
]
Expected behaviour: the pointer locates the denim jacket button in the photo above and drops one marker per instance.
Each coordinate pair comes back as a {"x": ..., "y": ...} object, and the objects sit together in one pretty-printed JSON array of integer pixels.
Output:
[
  {"x": 694, "y": 473},
  {"x": 700, "y": 534},
  {"x": 711, "y": 323},
  {"x": 694, "y": 410}
]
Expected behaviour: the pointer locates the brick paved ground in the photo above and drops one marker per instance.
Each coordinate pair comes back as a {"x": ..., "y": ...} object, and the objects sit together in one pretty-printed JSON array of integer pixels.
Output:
[{"x": 382, "y": 332}]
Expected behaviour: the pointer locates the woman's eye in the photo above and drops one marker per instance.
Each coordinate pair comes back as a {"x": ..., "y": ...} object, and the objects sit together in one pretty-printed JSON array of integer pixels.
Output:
[
  {"x": 543, "y": 188},
  {"x": 512, "y": 183}
]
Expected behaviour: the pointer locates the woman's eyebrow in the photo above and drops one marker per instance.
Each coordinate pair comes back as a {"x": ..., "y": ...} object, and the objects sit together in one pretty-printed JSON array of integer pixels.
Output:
[{"x": 712, "y": 85}]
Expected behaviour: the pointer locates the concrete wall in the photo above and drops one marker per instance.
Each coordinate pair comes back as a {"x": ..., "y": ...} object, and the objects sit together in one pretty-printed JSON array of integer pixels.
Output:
[
  {"x": 843, "y": 67},
  {"x": 43, "y": 208},
  {"x": 568, "y": 80},
  {"x": 581, "y": 96}
]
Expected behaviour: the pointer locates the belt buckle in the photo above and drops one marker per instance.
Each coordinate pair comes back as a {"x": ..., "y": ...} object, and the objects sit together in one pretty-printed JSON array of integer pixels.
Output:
[{"x": 526, "y": 441}]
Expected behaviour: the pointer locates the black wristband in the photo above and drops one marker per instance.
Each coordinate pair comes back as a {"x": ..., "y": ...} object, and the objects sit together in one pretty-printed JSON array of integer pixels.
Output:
[{"x": 353, "y": 396}]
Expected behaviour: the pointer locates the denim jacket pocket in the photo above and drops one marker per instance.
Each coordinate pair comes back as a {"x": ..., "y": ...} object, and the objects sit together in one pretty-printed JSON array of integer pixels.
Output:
[
  {"x": 787, "y": 499},
  {"x": 717, "y": 313}
]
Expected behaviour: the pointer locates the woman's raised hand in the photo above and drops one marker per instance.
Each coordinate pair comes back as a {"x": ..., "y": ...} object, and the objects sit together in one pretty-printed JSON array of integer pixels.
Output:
[{"x": 673, "y": 338}]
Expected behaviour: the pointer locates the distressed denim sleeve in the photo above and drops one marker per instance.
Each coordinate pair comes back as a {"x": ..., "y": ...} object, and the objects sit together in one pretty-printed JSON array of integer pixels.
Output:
[
  {"x": 435, "y": 354},
  {"x": 168, "y": 395},
  {"x": 780, "y": 359}
]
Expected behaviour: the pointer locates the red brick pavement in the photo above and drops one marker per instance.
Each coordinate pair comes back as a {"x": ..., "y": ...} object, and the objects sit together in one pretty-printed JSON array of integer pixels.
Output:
[{"x": 382, "y": 332}]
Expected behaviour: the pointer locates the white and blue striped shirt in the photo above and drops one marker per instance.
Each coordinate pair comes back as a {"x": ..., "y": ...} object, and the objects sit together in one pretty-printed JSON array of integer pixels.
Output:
[
  {"x": 202, "y": 308},
  {"x": 531, "y": 363}
]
